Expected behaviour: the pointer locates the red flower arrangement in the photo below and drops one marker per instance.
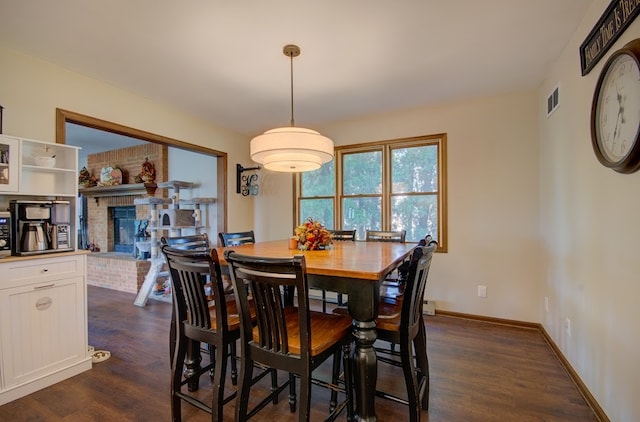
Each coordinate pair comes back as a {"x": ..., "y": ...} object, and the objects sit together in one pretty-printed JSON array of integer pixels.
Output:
[{"x": 311, "y": 235}]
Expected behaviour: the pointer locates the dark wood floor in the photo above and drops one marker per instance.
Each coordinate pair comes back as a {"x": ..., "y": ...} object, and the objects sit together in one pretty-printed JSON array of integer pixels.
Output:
[{"x": 479, "y": 372}]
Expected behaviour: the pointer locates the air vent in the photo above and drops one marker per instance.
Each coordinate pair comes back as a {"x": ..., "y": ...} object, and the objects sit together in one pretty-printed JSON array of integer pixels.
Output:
[{"x": 552, "y": 101}]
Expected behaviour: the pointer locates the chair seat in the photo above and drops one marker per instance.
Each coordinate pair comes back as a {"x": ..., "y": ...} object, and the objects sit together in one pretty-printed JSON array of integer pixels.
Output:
[
  {"x": 389, "y": 317},
  {"x": 388, "y": 314},
  {"x": 391, "y": 291},
  {"x": 326, "y": 330},
  {"x": 233, "y": 316}
]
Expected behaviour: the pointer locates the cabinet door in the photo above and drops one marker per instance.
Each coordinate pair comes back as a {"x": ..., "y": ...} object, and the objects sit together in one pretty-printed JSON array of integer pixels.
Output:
[
  {"x": 8, "y": 164},
  {"x": 42, "y": 328}
]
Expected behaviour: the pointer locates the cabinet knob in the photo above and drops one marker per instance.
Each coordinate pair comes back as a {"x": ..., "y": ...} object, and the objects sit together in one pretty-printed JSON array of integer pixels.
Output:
[{"x": 44, "y": 270}]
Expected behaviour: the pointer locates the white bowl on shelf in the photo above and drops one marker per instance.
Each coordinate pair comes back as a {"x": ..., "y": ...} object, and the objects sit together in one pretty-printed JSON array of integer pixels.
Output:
[
  {"x": 144, "y": 245},
  {"x": 45, "y": 161}
]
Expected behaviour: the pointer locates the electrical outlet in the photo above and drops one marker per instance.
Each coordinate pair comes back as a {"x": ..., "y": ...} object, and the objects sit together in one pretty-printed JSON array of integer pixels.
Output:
[
  {"x": 567, "y": 327},
  {"x": 546, "y": 304},
  {"x": 482, "y": 291}
]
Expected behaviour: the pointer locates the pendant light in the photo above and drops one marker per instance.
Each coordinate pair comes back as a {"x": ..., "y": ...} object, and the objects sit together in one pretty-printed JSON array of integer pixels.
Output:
[{"x": 291, "y": 149}]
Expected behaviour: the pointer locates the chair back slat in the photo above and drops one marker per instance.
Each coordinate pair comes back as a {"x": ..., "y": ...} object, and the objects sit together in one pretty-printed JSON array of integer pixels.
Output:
[
  {"x": 386, "y": 236},
  {"x": 237, "y": 238},
  {"x": 271, "y": 324}
]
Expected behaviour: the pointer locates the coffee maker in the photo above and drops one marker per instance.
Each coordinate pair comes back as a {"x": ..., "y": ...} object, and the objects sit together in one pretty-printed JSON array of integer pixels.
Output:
[{"x": 39, "y": 227}]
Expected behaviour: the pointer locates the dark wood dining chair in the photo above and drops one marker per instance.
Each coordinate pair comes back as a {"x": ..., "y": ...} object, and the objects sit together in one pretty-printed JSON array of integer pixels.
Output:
[
  {"x": 341, "y": 235},
  {"x": 386, "y": 236},
  {"x": 338, "y": 236},
  {"x": 390, "y": 284},
  {"x": 236, "y": 238},
  {"x": 197, "y": 242},
  {"x": 191, "y": 242},
  {"x": 404, "y": 326},
  {"x": 197, "y": 321},
  {"x": 288, "y": 338}
]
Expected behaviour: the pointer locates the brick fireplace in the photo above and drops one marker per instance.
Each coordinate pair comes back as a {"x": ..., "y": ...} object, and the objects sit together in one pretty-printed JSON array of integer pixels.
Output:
[{"x": 109, "y": 268}]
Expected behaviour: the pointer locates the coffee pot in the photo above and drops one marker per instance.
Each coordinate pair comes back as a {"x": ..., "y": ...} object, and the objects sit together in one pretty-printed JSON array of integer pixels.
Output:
[{"x": 33, "y": 237}]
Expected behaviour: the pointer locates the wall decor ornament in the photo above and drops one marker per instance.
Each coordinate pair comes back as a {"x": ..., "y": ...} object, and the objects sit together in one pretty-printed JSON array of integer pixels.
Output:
[
  {"x": 615, "y": 111},
  {"x": 247, "y": 184},
  {"x": 148, "y": 171},
  {"x": 613, "y": 22}
]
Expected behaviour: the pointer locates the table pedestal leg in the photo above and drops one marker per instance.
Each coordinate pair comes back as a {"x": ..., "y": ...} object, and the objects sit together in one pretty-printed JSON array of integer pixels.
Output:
[{"x": 365, "y": 370}]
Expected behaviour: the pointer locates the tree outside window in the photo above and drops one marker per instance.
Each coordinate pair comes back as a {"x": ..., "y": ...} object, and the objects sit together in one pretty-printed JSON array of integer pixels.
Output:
[{"x": 390, "y": 185}]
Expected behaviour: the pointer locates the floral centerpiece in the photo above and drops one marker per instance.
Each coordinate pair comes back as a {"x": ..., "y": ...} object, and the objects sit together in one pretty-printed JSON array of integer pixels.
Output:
[{"x": 311, "y": 235}]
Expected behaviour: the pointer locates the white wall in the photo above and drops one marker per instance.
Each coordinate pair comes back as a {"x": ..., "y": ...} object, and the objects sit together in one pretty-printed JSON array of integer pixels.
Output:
[
  {"x": 274, "y": 206},
  {"x": 589, "y": 225},
  {"x": 492, "y": 198},
  {"x": 181, "y": 163},
  {"x": 31, "y": 90}
]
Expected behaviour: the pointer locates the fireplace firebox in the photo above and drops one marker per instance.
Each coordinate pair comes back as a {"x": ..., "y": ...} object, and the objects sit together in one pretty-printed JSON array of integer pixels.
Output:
[{"x": 124, "y": 230}]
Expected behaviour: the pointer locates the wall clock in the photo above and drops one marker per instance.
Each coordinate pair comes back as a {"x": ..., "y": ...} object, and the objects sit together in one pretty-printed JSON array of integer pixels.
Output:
[{"x": 615, "y": 111}]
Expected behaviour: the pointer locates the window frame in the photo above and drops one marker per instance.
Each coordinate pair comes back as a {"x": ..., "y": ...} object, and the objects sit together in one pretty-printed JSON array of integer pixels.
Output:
[{"x": 386, "y": 195}]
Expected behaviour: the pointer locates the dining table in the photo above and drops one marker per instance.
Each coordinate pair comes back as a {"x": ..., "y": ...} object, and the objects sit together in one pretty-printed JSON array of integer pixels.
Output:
[{"x": 356, "y": 269}]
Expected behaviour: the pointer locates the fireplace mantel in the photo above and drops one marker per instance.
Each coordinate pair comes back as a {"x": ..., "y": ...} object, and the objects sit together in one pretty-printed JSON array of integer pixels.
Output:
[{"x": 119, "y": 190}]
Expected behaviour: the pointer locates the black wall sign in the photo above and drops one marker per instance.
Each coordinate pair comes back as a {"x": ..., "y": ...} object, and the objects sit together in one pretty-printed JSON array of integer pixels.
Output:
[{"x": 610, "y": 26}]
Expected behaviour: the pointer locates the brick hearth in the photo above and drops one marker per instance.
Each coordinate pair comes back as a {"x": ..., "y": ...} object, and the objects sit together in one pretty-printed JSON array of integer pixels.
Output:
[{"x": 117, "y": 271}]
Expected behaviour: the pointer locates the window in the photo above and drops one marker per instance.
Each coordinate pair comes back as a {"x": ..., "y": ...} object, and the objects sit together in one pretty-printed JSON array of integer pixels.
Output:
[{"x": 389, "y": 185}]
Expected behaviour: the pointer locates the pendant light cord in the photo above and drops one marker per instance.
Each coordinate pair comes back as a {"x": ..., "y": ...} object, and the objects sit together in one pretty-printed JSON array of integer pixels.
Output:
[{"x": 291, "y": 57}]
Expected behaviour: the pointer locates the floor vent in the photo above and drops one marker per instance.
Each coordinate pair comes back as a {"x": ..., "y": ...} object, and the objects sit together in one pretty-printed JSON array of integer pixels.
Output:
[{"x": 552, "y": 101}]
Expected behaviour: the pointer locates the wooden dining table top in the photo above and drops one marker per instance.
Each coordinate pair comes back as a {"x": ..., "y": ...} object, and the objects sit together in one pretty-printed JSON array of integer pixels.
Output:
[{"x": 361, "y": 260}]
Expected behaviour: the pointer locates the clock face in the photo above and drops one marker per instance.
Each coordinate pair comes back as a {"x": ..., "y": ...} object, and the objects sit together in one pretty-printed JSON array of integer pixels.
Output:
[{"x": 617, "y": 113}]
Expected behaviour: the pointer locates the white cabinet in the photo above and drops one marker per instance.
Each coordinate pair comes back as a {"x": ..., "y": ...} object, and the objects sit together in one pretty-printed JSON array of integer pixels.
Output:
[
  {"x": 30, "y": 177},
  {"x": 27, "y": 177},
  {"x": 9, "y": 157},
  {"x": 61, "y": 179},
  {"x": 43, "y": 322}
]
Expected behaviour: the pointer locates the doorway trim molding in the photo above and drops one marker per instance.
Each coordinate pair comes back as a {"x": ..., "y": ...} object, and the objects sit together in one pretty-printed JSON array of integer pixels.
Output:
[{"x": 65, "y": 116}]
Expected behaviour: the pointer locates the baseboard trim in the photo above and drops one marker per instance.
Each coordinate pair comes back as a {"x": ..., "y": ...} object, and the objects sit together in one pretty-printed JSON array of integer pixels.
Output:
[{"x": 580, "y": 385}]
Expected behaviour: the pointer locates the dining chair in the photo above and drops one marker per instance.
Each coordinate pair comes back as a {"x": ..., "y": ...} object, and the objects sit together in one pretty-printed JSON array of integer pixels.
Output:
[
  {"x": 404, "y": 326},
  {"x": 289, "y": 338},
  {"x": 198, "y": 242},
  {"x": 390, "y": 284},
  {"x": 341, "y": 235},
  {"x": 191, "y": 242},
  {"x": 338, "y": 236},
  {"x": 236, "y": 238},
  {"x": 198, "y": 321},
  {"x": 385, "y": 236}
]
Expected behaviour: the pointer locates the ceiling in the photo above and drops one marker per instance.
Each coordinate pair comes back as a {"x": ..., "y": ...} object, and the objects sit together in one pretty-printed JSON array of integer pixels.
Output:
[{"x": 223, "y": 61}]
